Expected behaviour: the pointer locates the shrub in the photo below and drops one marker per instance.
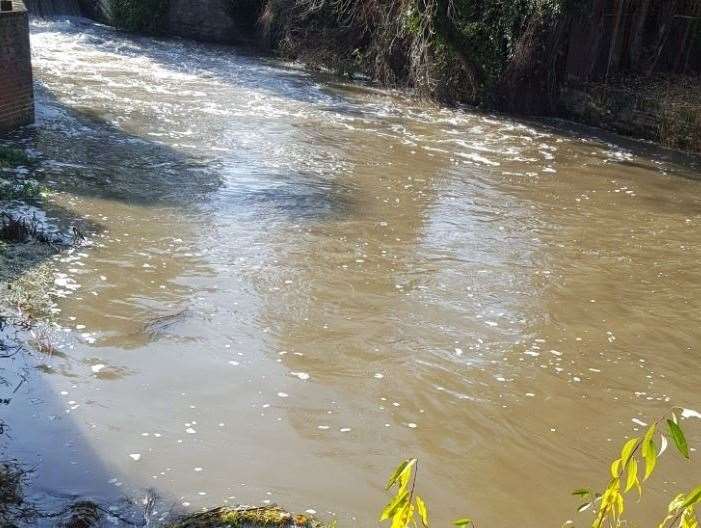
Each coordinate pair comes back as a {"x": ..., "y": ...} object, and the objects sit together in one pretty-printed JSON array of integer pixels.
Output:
[{"x": 144, "y": 16}]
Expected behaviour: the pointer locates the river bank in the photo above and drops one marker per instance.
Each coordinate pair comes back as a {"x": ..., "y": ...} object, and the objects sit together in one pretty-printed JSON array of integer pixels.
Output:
[{"x": 630, "y": 67}]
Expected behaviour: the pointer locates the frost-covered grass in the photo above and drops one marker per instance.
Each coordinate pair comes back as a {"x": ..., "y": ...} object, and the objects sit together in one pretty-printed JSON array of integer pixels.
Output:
[
  {"x": 14, "y": 167},
  {"x": 27, "y": 240},
  {"x": 27, "y": 293},
  {"x": 12, "y": 157}
]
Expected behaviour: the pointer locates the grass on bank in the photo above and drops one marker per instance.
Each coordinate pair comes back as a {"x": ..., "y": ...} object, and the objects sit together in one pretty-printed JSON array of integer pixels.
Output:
[
  {"x": 12, "y": 157},
  {"x": 22, "y": 244},
  {"x": 12, "y": 187}
]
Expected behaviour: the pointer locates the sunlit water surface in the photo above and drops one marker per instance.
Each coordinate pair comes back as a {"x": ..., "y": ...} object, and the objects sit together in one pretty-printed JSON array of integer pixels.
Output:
[{"x": 295, "y": 283}]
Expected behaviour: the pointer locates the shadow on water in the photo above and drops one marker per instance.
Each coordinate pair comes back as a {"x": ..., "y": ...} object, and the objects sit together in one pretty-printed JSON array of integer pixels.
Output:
[
  {"x": 82, "y": 156},
  {"x": 48, "y": 463},
  {"x": 105, "y": 162},
  {"x": 684, "y": 164},
  {"x": 45, "y": 441},
  {"x": 79, "y": 156}
]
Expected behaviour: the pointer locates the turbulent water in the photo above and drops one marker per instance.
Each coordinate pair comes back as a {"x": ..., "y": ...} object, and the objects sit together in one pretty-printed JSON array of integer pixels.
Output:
[{"x": 295, "y": 282}]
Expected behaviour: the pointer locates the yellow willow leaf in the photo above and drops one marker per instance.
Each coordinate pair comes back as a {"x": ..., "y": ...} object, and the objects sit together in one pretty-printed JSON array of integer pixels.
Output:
[
  {"x": 609, "y": 495},
  {"x": 619, "y": 505},
  {"x": 676, "y": 503},
  {"x": 693, "y": 497},
  {"x": 598, "y": 521},
  {"x": 628, "y": 449},
  {"x": 632, "y": 474},
  {"x": 403, "y": 516},
  {"x": 649, "y": 435},
  {"x": 688, "y": 519},
  {"x": 398, "y": 471},
  {"x": 404, "y": 479},
  {"x": 616, "y": 468},
  {"x": 399, "y": 501},
  {"x": 423, "y": 511},
  {"x": 405, "y": 475},
  {"x": 665, "y": 521},
  {"x": 395, "y": 475}
]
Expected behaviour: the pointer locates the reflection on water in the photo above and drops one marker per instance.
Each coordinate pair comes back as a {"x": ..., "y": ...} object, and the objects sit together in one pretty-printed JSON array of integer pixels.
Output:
[{"x": 301, "y": 282}]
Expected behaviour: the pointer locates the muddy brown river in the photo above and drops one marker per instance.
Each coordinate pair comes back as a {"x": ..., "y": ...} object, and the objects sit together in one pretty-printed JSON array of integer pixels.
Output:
[{"x": 295, "y": 282}]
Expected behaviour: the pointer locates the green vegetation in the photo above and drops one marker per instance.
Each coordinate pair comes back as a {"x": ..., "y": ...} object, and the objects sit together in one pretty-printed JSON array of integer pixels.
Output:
[
  {"x": 13, "y": 505},
  {"x": 28, "y": 294},
  {"x": 405, "y": 505},
  {"x": 243, "y": 517},
  {"x": 27, "y": 190},
  {"x": 12, "y": 157},
  {"x": 636, "y": 453},
  {"x": 638, "y": 459},
  {"x": 485, "y": 33},
  {"x": 520, "y": 55},
  {"x": 453, "y": 50},
  {"x": 12, "y": 188},
  {"x": 144, "y": 16}
]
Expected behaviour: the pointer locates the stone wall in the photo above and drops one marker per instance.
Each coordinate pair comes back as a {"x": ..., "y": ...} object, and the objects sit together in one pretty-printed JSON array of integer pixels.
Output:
[{"x": 16, "y": 90}]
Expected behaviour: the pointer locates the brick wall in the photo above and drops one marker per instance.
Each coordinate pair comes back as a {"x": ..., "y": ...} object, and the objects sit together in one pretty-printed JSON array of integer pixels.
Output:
[{"x": 16, "y": 91}]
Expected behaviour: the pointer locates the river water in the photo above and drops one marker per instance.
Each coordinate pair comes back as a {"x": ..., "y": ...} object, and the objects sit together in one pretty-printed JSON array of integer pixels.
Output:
[{"x": 296, "y": 282}]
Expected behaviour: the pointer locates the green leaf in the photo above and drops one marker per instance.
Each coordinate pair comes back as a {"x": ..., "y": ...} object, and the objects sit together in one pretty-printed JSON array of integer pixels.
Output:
[
  {"x": 649, "y": 435},
  {"x": 632, "y": 474},
  {"x": 423, "y": 511},
  {"x": 628, "y": 449},
  {"x": 400, "y": 500},
  {"x": 678, "y": 437},
  {"x": 650, "y": 456},
  {"x": 463, "y": 522},
  {"x": 400, "y": 468},
  {"x": 581, "y": 492},
  {"x": 693, "y": 497}
]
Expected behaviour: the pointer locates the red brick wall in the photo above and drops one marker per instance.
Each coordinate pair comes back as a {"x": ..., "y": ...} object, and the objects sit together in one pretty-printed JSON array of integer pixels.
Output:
[{"x": 16, "y": 91}]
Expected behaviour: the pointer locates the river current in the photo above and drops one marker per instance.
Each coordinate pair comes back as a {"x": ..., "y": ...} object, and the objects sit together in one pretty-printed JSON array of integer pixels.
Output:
[{"x": 295, "y": 282}]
